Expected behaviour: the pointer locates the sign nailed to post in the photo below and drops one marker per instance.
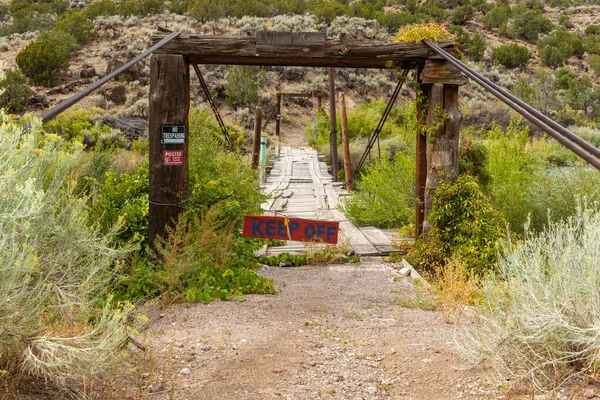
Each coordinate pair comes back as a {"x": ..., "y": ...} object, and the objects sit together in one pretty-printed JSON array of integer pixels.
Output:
[
  {"x": 172, "y": 134},
  {"x": 284, "y": 228},
  {"x": 173, "y": 157}
]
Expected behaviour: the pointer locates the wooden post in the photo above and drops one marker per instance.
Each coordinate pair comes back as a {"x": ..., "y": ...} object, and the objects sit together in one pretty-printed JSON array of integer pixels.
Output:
[
  {"x": 421, "y": 158},
  {"x": 345, "y": 142},
  {"x": 442, "y": 151},
  {"x": 168, "y": 112},
  {"x": 333, "y": 136},
  {"x": 257, "y": 132},
  {"x": 278, "y": 116},
  {"x": 319, "y": 103}
]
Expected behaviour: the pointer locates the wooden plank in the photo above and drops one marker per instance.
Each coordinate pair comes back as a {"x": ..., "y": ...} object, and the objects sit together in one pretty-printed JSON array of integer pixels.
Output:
[
  {"x": 290, "y": 44},
  {"x": 169, "y": 104}
]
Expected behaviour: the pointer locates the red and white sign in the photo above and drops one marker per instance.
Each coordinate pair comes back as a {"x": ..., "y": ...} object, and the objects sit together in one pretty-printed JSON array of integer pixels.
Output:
[
  {"x": 284, "y": 228},
  {"x": 173, "y": 157}
]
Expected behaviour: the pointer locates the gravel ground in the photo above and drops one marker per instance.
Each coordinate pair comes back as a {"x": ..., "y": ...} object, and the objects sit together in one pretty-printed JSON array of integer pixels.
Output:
[{"x": 333, "y": 332}]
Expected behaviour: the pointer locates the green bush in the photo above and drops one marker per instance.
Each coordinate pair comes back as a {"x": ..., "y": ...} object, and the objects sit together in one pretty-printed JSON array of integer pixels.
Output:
[
  {"x": 476, "y": 47},
  {"x": 243, "y": 84},
  {"x": 14, "y": 91},
  {"x": 536, "y": 321},
  {"x": 529, "y": 24},
  {"x": 76, "y": 24},
  {"x": 128, "y": 8},
  {"x": 152, "y": 7},
  {"x": 49, "y": 54},
  {"x": 465, "y": 227},
  {"x": 555, "y": 49},
  {"x": 122, "y": 201},
  {"x": 513, "y": 169},
  {"x": 462, "y": 14},
  {"x": 592, "y": 29},
  {"x": 100, "y": 8},
  {"x": 591, "y": 44},
  {"x": 497, "y": 17},
  {"x": 385, "y": 194},
  {"x": 594, "y": 61},
  {"x": 511, "y": 55},
  {"x": 29, "y": 20}
]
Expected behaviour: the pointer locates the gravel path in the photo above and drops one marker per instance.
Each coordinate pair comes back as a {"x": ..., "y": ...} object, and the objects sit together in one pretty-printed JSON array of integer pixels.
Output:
[{"x": 333, "y": 332}]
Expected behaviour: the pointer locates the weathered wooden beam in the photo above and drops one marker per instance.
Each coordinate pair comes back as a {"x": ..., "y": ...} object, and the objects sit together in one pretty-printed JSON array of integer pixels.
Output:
[
  {"x": 444, "y": 120},
  {"x": 345, "y": 143},
  {"x": 246, "y": 50},
  {"x": 168, "y": 112},
  {"x": 270, "y": 43},
  {"x": 333, "y": 136}
]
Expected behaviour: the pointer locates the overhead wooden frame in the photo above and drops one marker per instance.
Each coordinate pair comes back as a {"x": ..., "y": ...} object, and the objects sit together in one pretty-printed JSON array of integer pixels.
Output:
[{"x": 437, "y": 79}]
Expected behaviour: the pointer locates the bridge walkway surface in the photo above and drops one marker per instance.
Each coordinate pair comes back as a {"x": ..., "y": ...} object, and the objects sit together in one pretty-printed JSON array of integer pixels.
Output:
[{"x": 300, "y": 186}]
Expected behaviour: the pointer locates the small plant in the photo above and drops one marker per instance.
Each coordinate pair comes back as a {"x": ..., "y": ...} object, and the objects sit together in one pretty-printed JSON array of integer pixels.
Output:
[
  {"x": 511, "y": 55},
  {"x": 555, "y": 49},
  {"x": 14, "y": 91}
]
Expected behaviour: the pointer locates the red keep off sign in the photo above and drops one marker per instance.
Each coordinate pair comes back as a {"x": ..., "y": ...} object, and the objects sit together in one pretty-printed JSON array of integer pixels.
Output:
[
  {"x": 173, "y": 157},
  {"x": 282, "y": 228}
]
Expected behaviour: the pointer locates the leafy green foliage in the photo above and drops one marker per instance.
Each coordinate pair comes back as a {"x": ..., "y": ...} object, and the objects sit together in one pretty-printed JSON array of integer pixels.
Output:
[
  {"x": 465, "y": 226},
  {"x": 594, "y": 61},
  {"x": 511, "y": 55},
  {"x": 100, "y": 8},
  {"x": 122, "y": 201},
  {"x": 497, "y": 17},
  {"x": 462, "y": 14},
  {"x": 476, "y": 47},
  {"x": 513, "y": 169},
  {"x": 529, "y": 24},
  {"x": 385, "y": 194},
  {"x": 243, "y": 84},
  {"x": 76, "y": 24},
  {"x": 47, "y": 55},
  {"x": 557, "y": 47},
  {"x": 14, "y": 91}
]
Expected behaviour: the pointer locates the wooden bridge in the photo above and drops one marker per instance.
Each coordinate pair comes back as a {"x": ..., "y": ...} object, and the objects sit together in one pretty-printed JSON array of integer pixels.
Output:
[{"x": 300, "y": 186}]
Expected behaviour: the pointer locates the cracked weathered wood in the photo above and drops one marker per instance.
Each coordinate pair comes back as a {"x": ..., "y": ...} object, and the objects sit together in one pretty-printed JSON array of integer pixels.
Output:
[{"x": 246, "y": 50}]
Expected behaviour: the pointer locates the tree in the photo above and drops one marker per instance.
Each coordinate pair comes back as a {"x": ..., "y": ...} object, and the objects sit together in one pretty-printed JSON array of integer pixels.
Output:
[
  {"x": 476, "y": 47},
  {"x": 77, "y": 24},
  {"x": 511, "y": 55}
]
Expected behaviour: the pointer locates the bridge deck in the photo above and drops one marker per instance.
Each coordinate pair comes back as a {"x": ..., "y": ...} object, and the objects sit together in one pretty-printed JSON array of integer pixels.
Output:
[{"x": 300, "y": 186}]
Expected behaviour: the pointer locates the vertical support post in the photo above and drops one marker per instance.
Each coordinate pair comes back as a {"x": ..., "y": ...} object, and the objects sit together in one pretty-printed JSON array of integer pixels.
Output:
[
  {"x": 442, "y": 152},
  {"x": 257, "y": 132},
  {"x": 333, "y": 136},
  {"x": 278, "y": 116},
  {"x": 169, "y": 171},
  {"x": 263, "y": 158},
  {"x": 319, "y": 103},
  {"x": 345, "y": 143},
  {"x": 421, "y": 158}
]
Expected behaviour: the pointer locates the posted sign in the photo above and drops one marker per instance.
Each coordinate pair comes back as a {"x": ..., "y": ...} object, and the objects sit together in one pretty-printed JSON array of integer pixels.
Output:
[
  {"x": 173, "y": 157},
  {"x": 284, "y": 228}
]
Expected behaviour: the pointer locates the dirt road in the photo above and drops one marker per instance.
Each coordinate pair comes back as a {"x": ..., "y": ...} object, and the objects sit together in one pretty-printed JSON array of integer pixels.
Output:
[{"x": 333, "y": 332}]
